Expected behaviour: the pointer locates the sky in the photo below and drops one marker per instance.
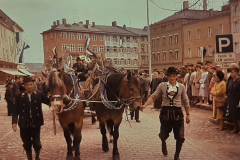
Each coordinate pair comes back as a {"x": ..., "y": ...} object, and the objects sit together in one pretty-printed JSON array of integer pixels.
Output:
[{"x": 36, "y": 16}]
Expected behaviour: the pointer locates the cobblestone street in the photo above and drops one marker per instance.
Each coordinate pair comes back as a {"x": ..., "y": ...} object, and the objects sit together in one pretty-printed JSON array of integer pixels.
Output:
[{"x": 203, "y": 141}]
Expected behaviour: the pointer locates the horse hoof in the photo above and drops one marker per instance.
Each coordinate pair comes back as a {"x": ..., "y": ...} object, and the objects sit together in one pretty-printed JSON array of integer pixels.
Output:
[
  {"x": 69, "y": 157},
  {"x": 77, "y": 158},
  {"x": 105, "y": 148},
  {"x": 116, "y": 157}
]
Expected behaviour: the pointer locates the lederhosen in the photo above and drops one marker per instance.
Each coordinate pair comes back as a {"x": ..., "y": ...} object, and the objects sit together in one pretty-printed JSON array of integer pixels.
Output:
[{"x": 171, "y": 118}]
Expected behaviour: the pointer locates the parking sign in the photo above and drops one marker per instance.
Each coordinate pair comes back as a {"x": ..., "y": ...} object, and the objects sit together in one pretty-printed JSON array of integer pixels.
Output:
[{"x": 224, "y": 43}]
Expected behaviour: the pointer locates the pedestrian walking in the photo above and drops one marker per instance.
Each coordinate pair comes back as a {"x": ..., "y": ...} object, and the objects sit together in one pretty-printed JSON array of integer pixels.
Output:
[
  {"x": 10, "y": 98},
  {"x": 154, "y": 84},
  {"x": 28, "y": 113},
  {"x": 145, "y": 86},
  {"x": 204, "y": 86},
  {"x": 171, "y": 117}
]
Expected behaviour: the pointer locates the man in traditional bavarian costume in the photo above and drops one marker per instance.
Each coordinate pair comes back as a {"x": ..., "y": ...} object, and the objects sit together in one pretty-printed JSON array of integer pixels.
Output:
[
  {"x": 80, "y": 69},
  {"x": 171, "y": 117},
  {"x": 29, "y": 116}
]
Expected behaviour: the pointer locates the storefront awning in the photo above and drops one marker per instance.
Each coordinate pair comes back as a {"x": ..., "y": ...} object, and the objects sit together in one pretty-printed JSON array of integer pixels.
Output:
[
  {"x": 12, "y": 72},
  {"x": 26, "y": 72}
]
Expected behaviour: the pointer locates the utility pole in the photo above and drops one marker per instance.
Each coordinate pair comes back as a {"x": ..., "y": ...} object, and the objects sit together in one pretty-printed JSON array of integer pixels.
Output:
[{"x": 149, "y": 45}]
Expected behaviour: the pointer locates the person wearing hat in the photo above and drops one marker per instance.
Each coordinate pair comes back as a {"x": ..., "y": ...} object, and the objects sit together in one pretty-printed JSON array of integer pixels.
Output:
[
  {"x": 173, "y": 96},
  {"x": 208, "y": 63},
  {"x": 80, "y": 69},
  {"x": 10, "y": 97},
  {"x": 16, "y": 89},
  {"x": 29, "y": 116}
]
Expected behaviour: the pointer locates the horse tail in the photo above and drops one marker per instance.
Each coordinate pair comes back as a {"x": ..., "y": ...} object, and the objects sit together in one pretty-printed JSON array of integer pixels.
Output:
[
  {"x": 110, "y": 125},
  {"x": 71, "y": 128}
]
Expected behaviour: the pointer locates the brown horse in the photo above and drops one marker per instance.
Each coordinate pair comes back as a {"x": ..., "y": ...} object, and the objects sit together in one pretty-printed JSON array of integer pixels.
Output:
[
  {"x": 70, "y": 113},
  {"x": 123, "y": 89}
]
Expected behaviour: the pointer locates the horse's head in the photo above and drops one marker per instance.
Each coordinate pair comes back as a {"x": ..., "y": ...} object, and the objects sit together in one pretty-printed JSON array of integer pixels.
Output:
[
  {"x": 96, "y": 72},
  {"x": 130, "y": 91},
  {"x": 55, "y": 86}
]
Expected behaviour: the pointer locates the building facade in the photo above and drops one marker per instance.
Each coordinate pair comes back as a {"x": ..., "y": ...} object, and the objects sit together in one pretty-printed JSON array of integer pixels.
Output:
[
  {"x": 202, "y": 34},
  {"x": 235, "y": 26},
  {"x": 11, "y": 45},
  {"x": 168, "y": 37},
  {"x": 112, "y": 42}
]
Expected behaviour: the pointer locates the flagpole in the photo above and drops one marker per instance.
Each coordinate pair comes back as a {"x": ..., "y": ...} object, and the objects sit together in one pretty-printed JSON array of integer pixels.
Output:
[{"x": 149, "y": 45}]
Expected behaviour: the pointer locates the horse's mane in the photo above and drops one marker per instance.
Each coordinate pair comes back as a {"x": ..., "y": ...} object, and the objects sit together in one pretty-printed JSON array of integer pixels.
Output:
[
  {"x": 54, "y": 81},
  {"x": 114, "y": 82}
]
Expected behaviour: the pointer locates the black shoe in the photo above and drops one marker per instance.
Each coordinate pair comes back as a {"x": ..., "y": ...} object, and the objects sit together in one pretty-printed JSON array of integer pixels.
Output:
[
  {"x": 138, "y": 121},
  {"x": 164, "y": 148},
  {"x": 176, "y": 158}
]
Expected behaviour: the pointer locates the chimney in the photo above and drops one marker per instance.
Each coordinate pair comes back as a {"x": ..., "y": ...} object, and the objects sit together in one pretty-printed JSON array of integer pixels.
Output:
[
  {"x": 210, "y": 12},
  {"x": 87, "y": 22},
  {"x": 93, "y": 24},
  {"x": 204, "y": 5},
  {"x": 81, "y": 22},
  {"x": 58, "y": 22},
  {"x": 124, "y": 26},
  {"x": 114, "y": 24},
  {"x": 64, "y": 21},
  {"x": 54, "y": 23},
  {"x": 185, "y": 5}
]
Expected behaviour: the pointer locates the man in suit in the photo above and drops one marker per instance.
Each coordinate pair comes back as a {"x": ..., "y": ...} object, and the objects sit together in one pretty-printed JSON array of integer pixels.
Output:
[
  {"x": 164, "y": 77},
  {"x": 154, "y": 84},
  {"x": 80, "y": 69},
  {"x": 29, "y": 116},
  {"x": 10, "y": 98},
  {"x": 145, "y": 85},
  {"x": 16, "y": 89}
]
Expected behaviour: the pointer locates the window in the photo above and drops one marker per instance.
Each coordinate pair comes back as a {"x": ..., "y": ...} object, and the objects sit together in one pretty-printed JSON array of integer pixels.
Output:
[
  {"x": 94, "y": 37},
  {"x": 101, "y": 48},
  {"x": 114, "y": 38},
  {"x": 142, "y": 48},
  {"x": 236, "y": 47},
  {"x": 121, "y": 50},
  {"x": 128, "y": 62},
  {"x": 199, "y": 52},
  {"x": 45, "y": 36},
  {"x": 80, "y": 48},
  {"x": 176, "y": 38},
  {"x": 46, "y": 48},
  {"x": 135, "y": 62},
  {"x": 95, "y": 49},
  {"x": 64, "y": 35},
  {"x": 189, "y": 53},
  {"x": 189, "y": 35},
  {"x": 122, "y": 62},
  {"x": 86, "y": 36},
  {"x": 164, "y": 41},
  {"x": 79, "y": 36},
  {"x": 51, "y": 36},
  {"x": 128, "y": 50},
  {"x": 72, "y": 48},
  {"x": 236, "y": 26},
  {"x": 164, "y": 56},
  {"x": 108, "y": 38},
  {"x": 153, "y": 56},
  {"x": 210, "y": 50},
  {"x": 158, "y": 56},
  {"x": 101, "y": 38},
  {"x": 221, "y": 28},
  {"x": 142, "y": 38},
  {"x": 158, "y": 42},
  {"x": 209, "y": 31},
  {"x": 153, "y": 43},
  {"x": 134, "y": 39},
  {"x": 114, "y": 49},
  {"x": 128, "y": 39},
  {"x": 171, "y": 57},
  {"x": 176, "y": 55},
  {"x": 115, "y": 61},
  {"x": 108, "y": 49},
  {"x": 64, "y": 47},
  {"x": 170, "y": 40},
  {"x": 199, "y": 34},
  {"x": 71, "y": 36}
]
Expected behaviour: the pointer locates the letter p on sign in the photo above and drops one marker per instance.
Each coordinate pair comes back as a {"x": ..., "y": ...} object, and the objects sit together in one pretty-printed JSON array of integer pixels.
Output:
[{"x": 224, "y": 43}]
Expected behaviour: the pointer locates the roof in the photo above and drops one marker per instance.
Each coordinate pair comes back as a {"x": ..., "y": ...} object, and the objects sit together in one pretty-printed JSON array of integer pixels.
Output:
[
  {"x": 12, "y": 72},
  {"x": 35, "y": 67},
  {"x": 137, "y": 31},
  {"x": 24, "y": 71},
  {"x": 8, "y": 21},
  {"x": 189, "y": 14},
  {"x": 78, "y": 27}
]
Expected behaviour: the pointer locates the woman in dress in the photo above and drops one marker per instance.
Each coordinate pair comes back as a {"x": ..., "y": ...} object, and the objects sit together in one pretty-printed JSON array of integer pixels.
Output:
[
  {"x": 218, "y": 92},
  {"x": 203, "y": 93},
  {"x": 233, "y": 98}
]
